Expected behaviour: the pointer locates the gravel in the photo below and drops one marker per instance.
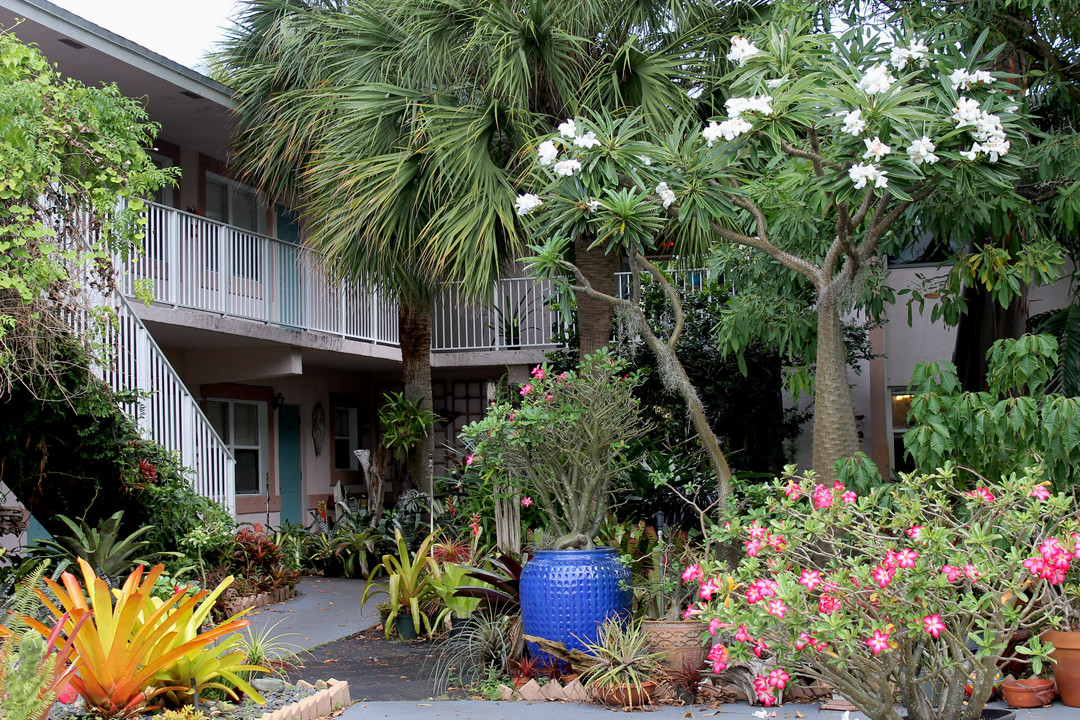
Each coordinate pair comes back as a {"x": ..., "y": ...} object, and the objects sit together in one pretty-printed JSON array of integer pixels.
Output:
[{"x": 247, "y": 709}]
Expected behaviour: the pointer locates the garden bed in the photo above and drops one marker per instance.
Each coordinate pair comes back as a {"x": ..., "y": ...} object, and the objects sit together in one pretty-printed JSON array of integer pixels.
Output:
[{"x": 261, "y": 600}]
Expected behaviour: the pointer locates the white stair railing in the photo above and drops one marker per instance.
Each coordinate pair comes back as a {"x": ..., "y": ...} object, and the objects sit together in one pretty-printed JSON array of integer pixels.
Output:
[{"x": 168, "y": 413}]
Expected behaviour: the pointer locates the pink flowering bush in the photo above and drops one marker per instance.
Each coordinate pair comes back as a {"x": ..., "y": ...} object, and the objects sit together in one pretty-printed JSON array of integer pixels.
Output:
[
  {"x": 564, "y": 439},
  {"x": 913, "y": 590}
]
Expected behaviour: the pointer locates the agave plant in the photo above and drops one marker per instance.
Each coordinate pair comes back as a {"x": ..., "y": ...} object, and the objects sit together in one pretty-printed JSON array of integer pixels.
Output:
[{"x": 123, "y": 648}]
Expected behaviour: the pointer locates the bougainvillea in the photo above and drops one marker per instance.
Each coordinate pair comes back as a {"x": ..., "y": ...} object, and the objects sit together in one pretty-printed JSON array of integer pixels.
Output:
[{"x": 913, "y": 590}]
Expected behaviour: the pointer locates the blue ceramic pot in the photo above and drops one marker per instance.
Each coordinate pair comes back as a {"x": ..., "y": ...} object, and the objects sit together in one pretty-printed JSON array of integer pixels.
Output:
[{"x": 567, "y": 594}]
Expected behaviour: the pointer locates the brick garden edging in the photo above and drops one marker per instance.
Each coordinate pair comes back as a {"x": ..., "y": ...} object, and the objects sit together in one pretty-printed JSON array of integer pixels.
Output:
[
  {"x": 262, "y": 599},
  {"x": 334, "y": 696}
]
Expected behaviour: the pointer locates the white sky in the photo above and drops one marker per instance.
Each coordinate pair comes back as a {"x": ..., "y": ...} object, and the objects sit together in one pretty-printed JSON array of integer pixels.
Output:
[{"x": 181, "y": 30}]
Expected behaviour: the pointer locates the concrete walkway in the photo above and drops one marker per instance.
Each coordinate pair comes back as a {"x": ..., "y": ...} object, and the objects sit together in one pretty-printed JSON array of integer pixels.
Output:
[{"x": 328, "y": 609}]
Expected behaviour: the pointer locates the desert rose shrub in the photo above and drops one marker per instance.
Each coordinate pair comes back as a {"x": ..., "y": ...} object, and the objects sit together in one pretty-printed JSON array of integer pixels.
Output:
[{"x": 913, "y": 590}]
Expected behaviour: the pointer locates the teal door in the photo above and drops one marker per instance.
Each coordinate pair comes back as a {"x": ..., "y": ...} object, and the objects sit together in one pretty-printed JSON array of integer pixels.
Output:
[{"x": 289, "y": 477}]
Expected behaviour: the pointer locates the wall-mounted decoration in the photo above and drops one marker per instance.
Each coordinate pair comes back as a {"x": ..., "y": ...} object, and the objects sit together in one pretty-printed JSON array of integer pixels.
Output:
[{"x": 318, "y": 427}]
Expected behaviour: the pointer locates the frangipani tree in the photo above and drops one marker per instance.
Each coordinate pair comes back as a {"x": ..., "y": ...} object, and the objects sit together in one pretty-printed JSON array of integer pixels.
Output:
[{"x": 828, "y": 142}]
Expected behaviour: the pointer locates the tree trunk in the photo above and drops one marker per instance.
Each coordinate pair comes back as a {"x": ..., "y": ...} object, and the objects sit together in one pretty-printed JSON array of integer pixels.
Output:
[
  {"x": 984, "y": 322},
  {"x": 414, "y": 328},
  {"x": 835, "y": 435},
  {"x": 594, "y": 316}
]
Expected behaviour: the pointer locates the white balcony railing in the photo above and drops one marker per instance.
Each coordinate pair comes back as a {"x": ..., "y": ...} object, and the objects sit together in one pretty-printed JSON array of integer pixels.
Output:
[{"x": 200, "y": 264}]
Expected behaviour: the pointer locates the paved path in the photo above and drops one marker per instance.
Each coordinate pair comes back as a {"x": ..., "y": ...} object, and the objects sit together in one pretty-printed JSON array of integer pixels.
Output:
[{"x": 328, "y": 609}]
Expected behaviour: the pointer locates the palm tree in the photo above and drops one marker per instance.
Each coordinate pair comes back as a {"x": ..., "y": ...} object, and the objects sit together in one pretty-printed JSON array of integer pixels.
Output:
[{"x": 399, "y": 130}]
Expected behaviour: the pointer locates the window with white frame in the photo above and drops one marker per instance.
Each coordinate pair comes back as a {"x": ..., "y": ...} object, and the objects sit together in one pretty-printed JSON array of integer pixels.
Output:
[
  {"x": 242, "y": 425},
  {"x": 899, "y": 407},
  {"x": 346, "y": 438},
  {"x": 234, "y": 203}
]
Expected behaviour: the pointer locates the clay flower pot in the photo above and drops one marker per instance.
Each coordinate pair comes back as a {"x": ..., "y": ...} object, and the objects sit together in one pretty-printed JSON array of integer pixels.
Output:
[
  {"x": 679, "y": 640},
  {"x": 1028, "y": 693},
  {"x": 1067, "y": 667},
  {"x": 625, "y": 695}
]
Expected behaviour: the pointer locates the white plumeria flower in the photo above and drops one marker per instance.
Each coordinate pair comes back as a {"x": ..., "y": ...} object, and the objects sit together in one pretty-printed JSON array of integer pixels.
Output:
[
  {"x": 863, "y": 173},
  {"x": 916, "y": 52},
  {"x": 876, "y": 80},
  {"x": 734, "y": 127},
  {"x": 736, "y": 106},
  {"x": 854, "y": 123},
  {"x": 711, "y": 133},
  {"x": 666, "y": 194},
  {"x": 526, "y": 203},
  {"x": 548, "y": 152},
  {"x": 740, "y": 50},
  {"x": 986, "y": 126},
  {"x": 588, "y": 140},
  {"x": 568, "y": 129},
  {"x": 973, "y": 153},
  {"x": 566, "y": 168},
  {"x": 875, "y": 149},
  {"x": 593, "y": 205},
  {"x": 961, "y": 79},
  {"x": 776, "y": 82},
  {"x": 645, "y": 160},
  {"x": 995, "y": 147},
  {"x": 922, "y": 151}
]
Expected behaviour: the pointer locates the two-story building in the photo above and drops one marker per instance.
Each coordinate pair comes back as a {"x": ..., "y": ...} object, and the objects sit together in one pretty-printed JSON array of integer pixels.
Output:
[{"x": 264, "y": 374}]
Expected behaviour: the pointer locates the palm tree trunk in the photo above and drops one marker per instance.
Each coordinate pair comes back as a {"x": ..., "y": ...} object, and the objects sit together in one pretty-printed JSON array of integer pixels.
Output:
[
  {"x": 835, "y": 434},
  {"x": 594, "y": 317},
  {"x": 414, "y": 329}
]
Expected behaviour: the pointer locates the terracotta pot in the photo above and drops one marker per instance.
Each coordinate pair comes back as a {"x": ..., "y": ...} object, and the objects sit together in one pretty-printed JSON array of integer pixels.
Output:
[
  {"x": 1031, "y": 693},
  {"x": 679, "y": 640},
  {"x": 1067, "y": 668},
  {"x": 625, "y": 695}
]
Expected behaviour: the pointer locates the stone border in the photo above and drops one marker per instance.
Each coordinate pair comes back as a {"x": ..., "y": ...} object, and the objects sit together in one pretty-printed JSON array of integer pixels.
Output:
[
  {"x": 333, "y": 697},
  {"x": 261, "y": 600}
]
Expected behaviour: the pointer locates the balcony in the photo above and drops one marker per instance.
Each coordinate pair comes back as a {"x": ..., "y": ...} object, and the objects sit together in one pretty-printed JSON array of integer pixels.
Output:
[{"x": 194, "y": 263}]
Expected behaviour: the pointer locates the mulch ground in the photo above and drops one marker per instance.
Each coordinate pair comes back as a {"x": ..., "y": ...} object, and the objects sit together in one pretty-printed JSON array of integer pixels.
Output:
[{"x": 374, "y": 667}]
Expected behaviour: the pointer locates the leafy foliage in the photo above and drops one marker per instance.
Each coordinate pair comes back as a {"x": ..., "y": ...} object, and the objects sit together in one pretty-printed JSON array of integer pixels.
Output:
[{"x": 409, "y": 583}]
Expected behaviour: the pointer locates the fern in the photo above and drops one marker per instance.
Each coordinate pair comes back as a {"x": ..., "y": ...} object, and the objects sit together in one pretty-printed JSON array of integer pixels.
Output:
[
  {"x": 1063, "y": 324},
  {"x": 26, "y": 665}
]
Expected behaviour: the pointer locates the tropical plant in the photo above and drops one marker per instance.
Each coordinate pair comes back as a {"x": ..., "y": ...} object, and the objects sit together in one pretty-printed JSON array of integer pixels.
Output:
[
  {"x": 405, "y": 423},
  {"x": 564, "y": 444},
  {"x": 267, "y": 649},
  {"x": 623, "y": 658},
  {"x": 408, "y": 583},
  {"x": 499, "y": 588},
  {"x": 1011, "y": 425},
  {"x": 488, "y": 643},
  {"x": 355, "y": 548},
  {"x": 446, "y": 580},
  {"x": 34, "y": 671},
  {"x": 802, "y": 175},
  {"x": 916, "y": 588},
  {"x": 201, "y": 668},
  {"x": 121, "y": 648},
  {"x": 107, "y": 553}
]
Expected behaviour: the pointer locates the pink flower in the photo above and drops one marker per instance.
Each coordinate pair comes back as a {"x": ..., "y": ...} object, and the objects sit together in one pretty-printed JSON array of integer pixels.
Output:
[
  {"x": 1040, "y": 492},
  {"x": 793, "y": 491},
  {"x": 914, "y": 532},
  {"x": 765, "y": 588},
  {"x": 879, "y": 642},
  {"x": 756, "y": 532},
  {"x": 803, "y": 640},
  {"x": 691, "y": 611},
  {"x": 952, "y": 573},
  {"x": 776, "y": 542},
  {"x": 906, "y": 558},
  {"x": 526, "y": 501},
  {"x": 753, "y": 547},
  {"x": 760, "y": 647},
  {"x": 538, "y": 372},
  {"x": 849, "y": 497},
  {"x": 714, "y": 625},
  {"x": 526, "y": 389},
  {"x": 810, "y": 578},
  {"x": 692, "y": 573},
  {"x": 777, "y": 608},
  {"x": 718, "y": 656},
  {"x": 67, "y": 695},
  {"x": 883, "y": 575},
  {"x": 710, "y": 586},
  {"x": 827, "y": 604},
  {"x": 981, "y": 493},
  {"x": 743, "y": 635},
  {"x": 971, "y": 573},
  {"x": 822, "y": 497},
  {"x": 933, "y": 624},
  {"x": 470, "y": 459},
  {"x": 778, "y": 678},
  {"x": 550, "y": 397}
]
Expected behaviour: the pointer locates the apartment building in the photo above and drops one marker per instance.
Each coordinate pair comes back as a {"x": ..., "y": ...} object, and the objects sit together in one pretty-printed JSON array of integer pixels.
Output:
[{"x": 266, "y": 375}]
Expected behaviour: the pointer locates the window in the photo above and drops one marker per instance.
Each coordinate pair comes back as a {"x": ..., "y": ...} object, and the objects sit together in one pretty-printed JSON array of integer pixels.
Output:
[
  {"x": 901, "y": 404},
  {"x": 924, "y": 248},
  {"x": 234, "y": 203},
  {"x": 164, "y": 194},
  {"x": 242, "y": 425},
  {"x": 345, "y": 439}
]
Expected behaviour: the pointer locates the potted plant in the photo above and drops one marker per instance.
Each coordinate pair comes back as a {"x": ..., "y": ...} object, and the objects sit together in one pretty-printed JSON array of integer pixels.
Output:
[
  {"x": 626, "y": 670},
  {"x": 1066, "y": 641},
  {"x": 409, "y": 586},
  {"x": 564, "y": 440}
]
